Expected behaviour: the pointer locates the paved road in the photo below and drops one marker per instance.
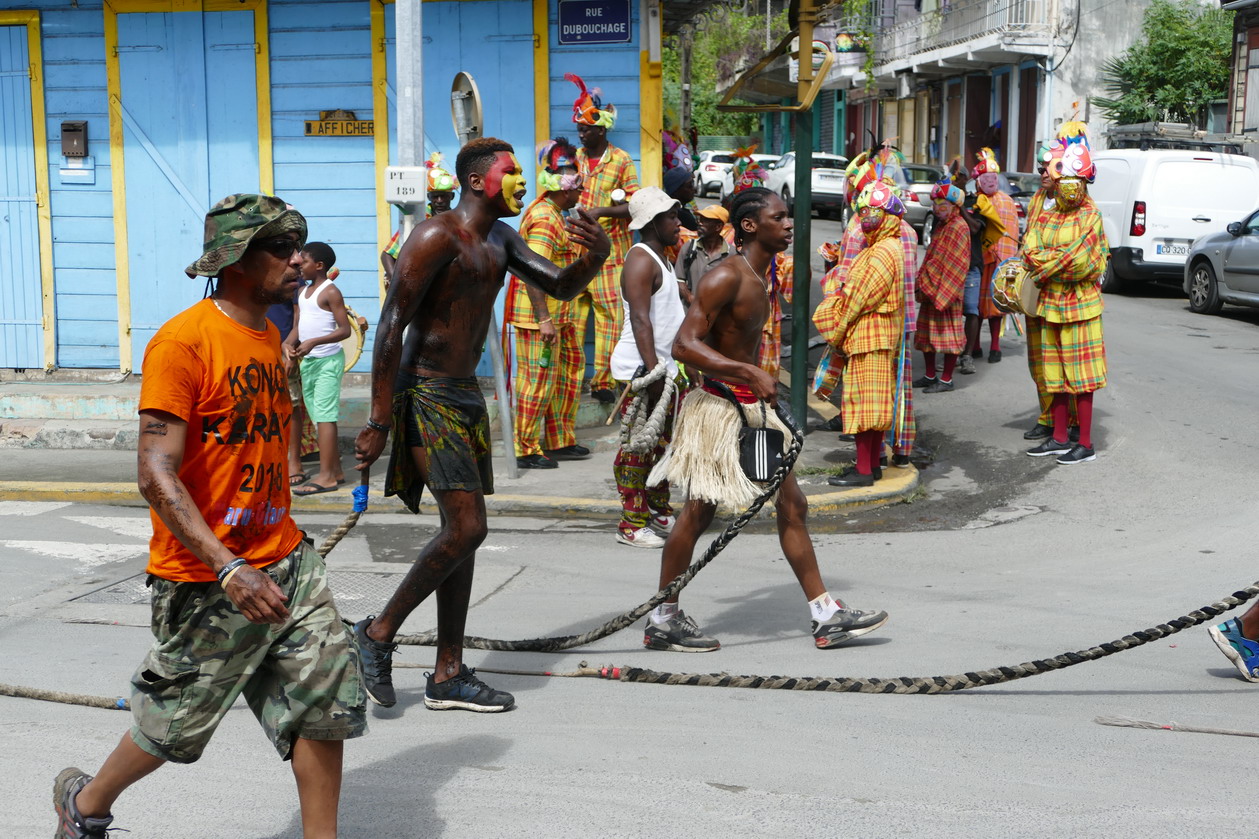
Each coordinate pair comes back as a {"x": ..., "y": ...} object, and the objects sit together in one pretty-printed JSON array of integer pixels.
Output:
[{"x": 1005, "y": 559}]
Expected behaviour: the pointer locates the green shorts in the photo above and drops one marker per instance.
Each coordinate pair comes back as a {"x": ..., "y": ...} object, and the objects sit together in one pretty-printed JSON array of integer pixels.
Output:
[
  {"x": 321, "y": 386},
  {"x": 299, "y": 678}
]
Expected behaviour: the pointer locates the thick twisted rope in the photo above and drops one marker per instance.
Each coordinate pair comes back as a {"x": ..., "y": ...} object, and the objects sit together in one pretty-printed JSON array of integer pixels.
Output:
[
  {"x": 640, "y": 432},
  {"x": 945, "y": 684},
  {"x": 360, "y": 507},
  {"x": 565, "y": 642}
]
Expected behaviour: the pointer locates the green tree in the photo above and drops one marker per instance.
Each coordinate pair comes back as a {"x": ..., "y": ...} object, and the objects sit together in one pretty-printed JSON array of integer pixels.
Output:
[{"x": 1174, "y": 73}]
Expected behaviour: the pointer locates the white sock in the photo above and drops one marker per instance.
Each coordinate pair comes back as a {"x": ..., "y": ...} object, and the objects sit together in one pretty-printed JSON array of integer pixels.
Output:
[
  {"x": 664, "y": 612},
  {"x": 823, "y": 607}
]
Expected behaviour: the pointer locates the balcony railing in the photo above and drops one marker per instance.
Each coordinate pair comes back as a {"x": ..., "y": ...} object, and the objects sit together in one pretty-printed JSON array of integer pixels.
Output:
[{"x": 959, "y": 22}]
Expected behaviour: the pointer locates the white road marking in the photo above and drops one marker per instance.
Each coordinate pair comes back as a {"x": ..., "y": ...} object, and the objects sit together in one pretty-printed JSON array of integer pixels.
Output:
[
  {"x": 136, "y": 527},
  {"x": 30, "y": 508},
  {"x": 89, "y": 556}
]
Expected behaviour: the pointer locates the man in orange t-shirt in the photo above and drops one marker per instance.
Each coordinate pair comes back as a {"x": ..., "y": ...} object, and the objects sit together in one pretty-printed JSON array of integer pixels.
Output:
[{"x": 240, "y": 601}]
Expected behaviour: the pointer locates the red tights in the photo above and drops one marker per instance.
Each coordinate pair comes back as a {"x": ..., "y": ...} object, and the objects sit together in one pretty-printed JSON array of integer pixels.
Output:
[
  {"x": 869, "y": 450},
  {"x": 929, "y": 364},
  {"x": 1083, "y": 407}
]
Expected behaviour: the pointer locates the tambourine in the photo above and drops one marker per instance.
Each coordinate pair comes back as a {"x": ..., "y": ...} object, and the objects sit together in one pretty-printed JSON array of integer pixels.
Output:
[
  {"x": 1012, "y": 291},
  {"x": 353, "y": 343}
]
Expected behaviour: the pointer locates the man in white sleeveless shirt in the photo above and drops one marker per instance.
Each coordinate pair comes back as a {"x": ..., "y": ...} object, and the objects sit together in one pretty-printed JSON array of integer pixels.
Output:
[{"x": 653, "y": 313}]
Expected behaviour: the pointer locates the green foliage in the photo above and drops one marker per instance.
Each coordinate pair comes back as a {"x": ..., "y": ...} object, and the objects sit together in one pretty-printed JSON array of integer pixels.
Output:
[{"x": 1174, "y": 73}]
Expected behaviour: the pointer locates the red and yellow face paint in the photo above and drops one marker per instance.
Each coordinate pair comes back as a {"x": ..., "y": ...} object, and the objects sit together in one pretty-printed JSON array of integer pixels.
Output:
[{"x": 506, "y": 179}]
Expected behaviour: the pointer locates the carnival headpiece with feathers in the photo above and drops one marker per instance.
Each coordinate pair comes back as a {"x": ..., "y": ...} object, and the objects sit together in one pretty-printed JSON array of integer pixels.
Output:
[
  {"x": 439, "y": 180},
  {"x": 554, "y": 155},
  {"x": 987, "y": 164},
  {"x": 1071, "y": 156},
  {"x": 880, "y": 194},
  {"x": 588, "y": 107},
  {"x": 746, "y": 172}
]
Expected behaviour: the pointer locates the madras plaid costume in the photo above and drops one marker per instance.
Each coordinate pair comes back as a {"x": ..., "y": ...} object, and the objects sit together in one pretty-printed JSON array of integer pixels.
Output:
[
  {"x": 1035, "y": 357},
  {"x": 779, "y": 281},
  {"x": 940, "y": 283},
  {"x": 639, "y": 502},
  {"x": 615, "y": 170},
  {"x": 546, "y": 397},
  {"x": 1065, "y": 254},
  {"x": 865, "y": 319},
  {"x": 1001, "y": 241}
]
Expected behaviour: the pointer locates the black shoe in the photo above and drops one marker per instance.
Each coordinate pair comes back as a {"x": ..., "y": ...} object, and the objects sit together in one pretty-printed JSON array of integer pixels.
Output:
[
  {"x": 901, "y": 460},
  {"x": 994, "y": 356},
  {"x": 847, "y": 438},
  {"x": 845, "y": 625},
  {"x": 1077, "y": 454},
  {"x": 966, "y": 365},
  {"x": 573, "y": 452},
  {"x": 835, "y": 423},
  {"x": 925, "y": 381},
  {"x": 851, "y": 478},
  {"x": 536, "y": 461},
  {"x": 1038, "y": 432},
  {"x": 977, "y": 353},
  {"x": 466, "y": 692},
  {"x": 1050, "y": 446},
  {"x": 938, "y": 387},
  {"x": 604, "y": 395},
  {"x": 1073, "y": 434},
  {"x": 375, "y": 661}
]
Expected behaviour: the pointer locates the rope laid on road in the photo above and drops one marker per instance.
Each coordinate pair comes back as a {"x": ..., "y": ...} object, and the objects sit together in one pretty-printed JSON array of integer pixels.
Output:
[
  {"x": 640, "y": 432},
  {"x": 1128, "y": 722},
  {"x": 565, "y": 642}
]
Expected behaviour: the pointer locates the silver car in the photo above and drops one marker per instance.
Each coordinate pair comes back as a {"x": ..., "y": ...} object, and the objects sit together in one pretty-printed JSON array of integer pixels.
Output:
[{"x": 1224, "y": 268}]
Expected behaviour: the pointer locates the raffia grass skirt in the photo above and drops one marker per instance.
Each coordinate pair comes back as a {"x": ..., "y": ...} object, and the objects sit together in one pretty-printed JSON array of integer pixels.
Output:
[{"x": 703, "y": 459}]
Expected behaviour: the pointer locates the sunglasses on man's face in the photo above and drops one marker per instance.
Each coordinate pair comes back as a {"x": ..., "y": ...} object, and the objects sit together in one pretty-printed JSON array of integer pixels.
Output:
[{"x": 281, "y": 247}]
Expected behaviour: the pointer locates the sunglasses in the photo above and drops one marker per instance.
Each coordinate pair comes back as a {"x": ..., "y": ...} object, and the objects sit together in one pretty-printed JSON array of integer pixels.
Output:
[{"x": 281, "y": 247}]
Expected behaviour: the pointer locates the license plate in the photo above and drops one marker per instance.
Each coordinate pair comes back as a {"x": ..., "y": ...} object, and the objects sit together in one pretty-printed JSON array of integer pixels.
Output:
[{"x": 1172, "y": 249}]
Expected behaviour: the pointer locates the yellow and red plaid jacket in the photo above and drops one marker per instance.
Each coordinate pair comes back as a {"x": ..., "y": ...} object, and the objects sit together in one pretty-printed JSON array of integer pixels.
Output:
[
  {"x": 867, "y": 312},
  {"x": 543, "y": 230},
  {"x": 615, "y": 170},
  {"x": 1065, "y": 254},
  {"x": 1001, "y": 233}
]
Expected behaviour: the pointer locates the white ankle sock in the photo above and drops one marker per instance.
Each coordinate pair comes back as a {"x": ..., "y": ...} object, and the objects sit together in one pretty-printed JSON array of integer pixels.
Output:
[
  {"x": 823, "y": 607},
  {"x": 665, "y": 612}
]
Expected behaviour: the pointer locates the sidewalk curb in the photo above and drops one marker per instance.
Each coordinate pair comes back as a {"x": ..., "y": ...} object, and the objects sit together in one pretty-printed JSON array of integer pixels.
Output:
[{"x": 897, "y": 485}]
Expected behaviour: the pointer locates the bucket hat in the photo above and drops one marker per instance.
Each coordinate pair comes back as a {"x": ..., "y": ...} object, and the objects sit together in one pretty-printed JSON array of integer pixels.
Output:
[
  {"x": 236, "y": 221},
  {"x": 648, "y": 203}
]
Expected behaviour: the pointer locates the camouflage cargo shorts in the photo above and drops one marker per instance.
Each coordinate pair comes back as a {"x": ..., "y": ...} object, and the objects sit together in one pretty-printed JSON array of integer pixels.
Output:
[{"x": 299, "y": 678}]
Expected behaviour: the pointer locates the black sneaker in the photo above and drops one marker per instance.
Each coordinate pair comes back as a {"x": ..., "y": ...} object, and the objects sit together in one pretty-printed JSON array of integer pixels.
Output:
[
  {"x": 1073, "y": 434},
  {"x": 851, "y": 478},
  {"x": 573, "y": 452},
  {"x": 536, "y": 461},
  {"x": 966, "y": 365},
  {"x": 939, "y": 387},
  {"x": 71, "y": 824},
  {"x": 679, "y": 634},
  {"x": 375, "y": 661},
  {"x": 1077, "y": 454},
  {"x": 467, "y": 692},
  {"x": 1038, "y": 432},
  {"x": 994, "y": 356},
  {"x": 845, "y": 625},
  {"x": 977, "y": 352},
  {"x": 835, "y": 423},
  {"x": 603, "y": 395},
  {"x": 1048, "y": 447},
  {"x": 925, "y": 381}
]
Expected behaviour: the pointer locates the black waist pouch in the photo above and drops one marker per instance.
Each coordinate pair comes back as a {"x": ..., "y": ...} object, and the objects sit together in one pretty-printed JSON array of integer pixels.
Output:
[{"x": 760, "y": 449}]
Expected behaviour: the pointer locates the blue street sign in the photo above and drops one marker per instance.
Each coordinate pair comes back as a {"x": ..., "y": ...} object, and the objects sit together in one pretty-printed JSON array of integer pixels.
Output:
[{"x": 594, "y": 21}]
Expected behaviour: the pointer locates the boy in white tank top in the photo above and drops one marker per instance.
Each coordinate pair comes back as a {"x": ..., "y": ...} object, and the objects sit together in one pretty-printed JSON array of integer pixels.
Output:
[{"x": 320, "y": 324}]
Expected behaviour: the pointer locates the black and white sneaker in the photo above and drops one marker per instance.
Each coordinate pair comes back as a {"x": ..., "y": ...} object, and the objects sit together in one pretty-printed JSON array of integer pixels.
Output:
[
  {"x": 678, "y": 634},
  {"x": 375, "y": 661},
  {"x": 924, "y": 381},
  {"x": 845, "y": 625},
  {"x": 939, "y": 387},
  {"x": 1078, "y": 454},
  {"x": 1047, "y": 447},
  {"x": 466, "y": 692}
]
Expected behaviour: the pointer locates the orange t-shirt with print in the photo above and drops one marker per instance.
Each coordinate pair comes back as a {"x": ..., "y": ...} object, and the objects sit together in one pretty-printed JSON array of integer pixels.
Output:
[{"x": 227, "y": 382}]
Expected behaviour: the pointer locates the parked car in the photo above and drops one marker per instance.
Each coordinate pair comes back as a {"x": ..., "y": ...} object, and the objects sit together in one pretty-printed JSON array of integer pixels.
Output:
[
  {"x": 1156, "y": 203},
  {"x": 916, "y": 192},
  {"x": 1224, "y": 268},
  {"x": 827, "y": 181},
  {"x": 710, "y": 166},
  {"x": 727, "y": 180}
]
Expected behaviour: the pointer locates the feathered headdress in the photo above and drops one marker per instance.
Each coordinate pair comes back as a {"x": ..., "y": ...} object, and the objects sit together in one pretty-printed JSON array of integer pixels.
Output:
[
  {"x": 1072, "y": 157},
  {"x": 880, "y": 195},
  {"x": 987, "y": 164},
  {"x": 439, "y": 180},
  {"x": 588, "y": 107},
  {"x": 554, "y": 155},
  {"x": 746, "y": 173}
]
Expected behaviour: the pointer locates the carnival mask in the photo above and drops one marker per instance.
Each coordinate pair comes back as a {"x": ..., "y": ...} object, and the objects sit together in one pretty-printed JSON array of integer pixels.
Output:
[
  {"x": 1071, "y": 193},
  {"x": 988, "y": 183},
  {"x": 944, "y": 210}
]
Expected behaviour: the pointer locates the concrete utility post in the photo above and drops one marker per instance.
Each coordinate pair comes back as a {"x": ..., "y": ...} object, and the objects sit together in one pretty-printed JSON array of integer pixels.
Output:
[
  {"x": 409, "y": 73},
  {"x": 803, "y": 276}
]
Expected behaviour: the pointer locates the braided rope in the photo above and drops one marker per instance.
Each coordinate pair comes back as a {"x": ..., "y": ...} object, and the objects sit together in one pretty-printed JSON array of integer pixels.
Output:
[
  {"x": 565, "y": 642},
  {"x": 946, "y": 684},
  {"x": 639, "y": 432},
  {"x": 360, "y": 506}
]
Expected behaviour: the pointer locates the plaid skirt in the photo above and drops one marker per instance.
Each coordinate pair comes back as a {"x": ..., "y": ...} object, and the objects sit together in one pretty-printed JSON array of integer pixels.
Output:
[
  {"x": 1073, "y": 356},
  {"x": 940, "y": 331},
  {"x": 869, "y": 391}
]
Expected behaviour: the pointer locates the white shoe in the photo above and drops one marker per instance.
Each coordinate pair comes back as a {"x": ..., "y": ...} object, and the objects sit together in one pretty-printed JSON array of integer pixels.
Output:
[
  {"x": 663, "y": 524},
  {"x": 643, "y": 537}
]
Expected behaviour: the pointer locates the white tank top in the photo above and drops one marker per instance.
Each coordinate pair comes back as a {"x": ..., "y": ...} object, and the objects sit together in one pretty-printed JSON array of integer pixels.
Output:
[
  {"x": 667, "y": 313},
  {"x": 315, "y": 322}
]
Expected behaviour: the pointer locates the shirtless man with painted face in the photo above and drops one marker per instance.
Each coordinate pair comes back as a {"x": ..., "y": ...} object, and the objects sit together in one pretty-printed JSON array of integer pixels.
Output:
[
  {"x": 448, "y": 274},
  {"x": 720, "y": 337}
]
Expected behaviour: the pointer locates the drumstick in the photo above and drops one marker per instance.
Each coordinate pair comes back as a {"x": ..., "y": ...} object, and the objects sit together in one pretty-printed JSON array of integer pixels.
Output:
[{"x": 616, "y": 409}]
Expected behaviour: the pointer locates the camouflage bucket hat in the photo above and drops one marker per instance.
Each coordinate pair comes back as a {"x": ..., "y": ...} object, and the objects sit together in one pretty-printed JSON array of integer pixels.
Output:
[{"x": 236, "y": 221}]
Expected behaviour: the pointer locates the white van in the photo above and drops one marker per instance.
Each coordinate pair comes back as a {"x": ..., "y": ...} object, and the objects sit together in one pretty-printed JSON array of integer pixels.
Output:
[{"x": 1155, "y": 203}]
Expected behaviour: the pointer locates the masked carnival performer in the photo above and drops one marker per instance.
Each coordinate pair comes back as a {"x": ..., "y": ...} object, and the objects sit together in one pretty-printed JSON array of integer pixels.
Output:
[
  {"x": 605, "y": 169},
  {"x": 719, "y": 338},
  {"x": 424, "y": 389},
  {"x": 441, "y": 193},
  {"x": 549, "y": 361},
  {"x": 941, "y": 281},
  {"x": 1000, "y": 239},
  {"x": 1065, "y": 255},
  {"x": 653, "y": 313},
  {"x": 864, "y": 321}
]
